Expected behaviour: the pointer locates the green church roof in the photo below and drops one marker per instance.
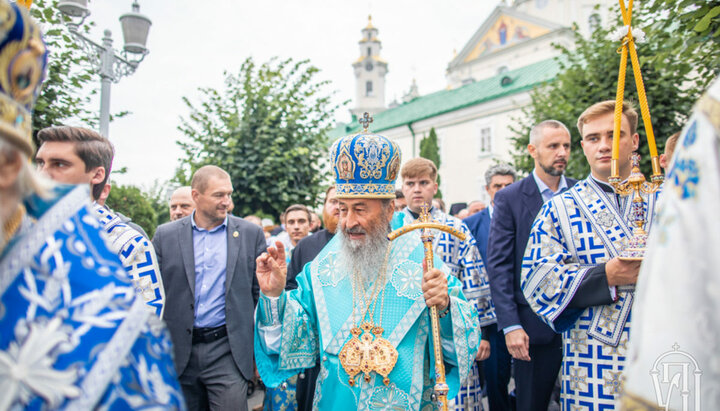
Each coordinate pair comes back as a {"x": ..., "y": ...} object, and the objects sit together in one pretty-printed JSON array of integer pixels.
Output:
[{"x": 440, "y": 102}]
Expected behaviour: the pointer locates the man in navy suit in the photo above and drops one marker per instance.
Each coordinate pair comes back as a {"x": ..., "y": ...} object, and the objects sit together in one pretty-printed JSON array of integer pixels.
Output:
[
  {"x": 536, "y": 348},
  {"x": 497, "y": 366}
]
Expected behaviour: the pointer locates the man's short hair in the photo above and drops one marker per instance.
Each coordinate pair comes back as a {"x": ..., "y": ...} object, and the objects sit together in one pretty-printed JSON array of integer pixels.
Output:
[
  {"x": 418, "y": 167},
  {"x": 605, "y": 107},
  {"x": 327, "y": 192},
  {"x": 297, "y": 207},
  {"x": 671, "y": 143},
  {"x": 536, "y": 131},
  {"x": 500, "y": 169},
  {"x": 203, "y": 175},
  {"x": 399, "y": 193},
  {"x": 92, "y": 148}
]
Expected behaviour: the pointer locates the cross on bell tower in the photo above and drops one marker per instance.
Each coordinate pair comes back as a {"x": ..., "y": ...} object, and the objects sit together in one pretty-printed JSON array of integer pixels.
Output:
[{"x": 370, "y": 71}]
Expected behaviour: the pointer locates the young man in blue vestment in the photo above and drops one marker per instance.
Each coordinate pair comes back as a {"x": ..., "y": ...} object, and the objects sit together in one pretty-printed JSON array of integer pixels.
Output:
[
  {"x": 419, "y": 185},
  {"x": 361, "y": 306},
  {"x": 572, "y": 276},
  {"x": 73, "y": 334},
  {"x": 76, "y": 155}
]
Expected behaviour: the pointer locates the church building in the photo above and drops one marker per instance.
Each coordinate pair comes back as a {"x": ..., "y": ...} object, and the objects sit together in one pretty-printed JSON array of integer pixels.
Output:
[{"x": 488, "y": 84}]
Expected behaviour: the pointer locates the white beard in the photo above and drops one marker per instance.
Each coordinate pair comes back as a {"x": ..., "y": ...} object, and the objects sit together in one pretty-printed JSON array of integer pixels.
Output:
[{"x": 365, "y": 257}]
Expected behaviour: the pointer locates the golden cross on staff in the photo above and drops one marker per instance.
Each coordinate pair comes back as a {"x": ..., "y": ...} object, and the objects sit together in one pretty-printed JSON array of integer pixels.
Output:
[
  {"x": 636, "y": 183},
  {"x": 425, "y": 223},
  {"x": 365, "y": 120}
]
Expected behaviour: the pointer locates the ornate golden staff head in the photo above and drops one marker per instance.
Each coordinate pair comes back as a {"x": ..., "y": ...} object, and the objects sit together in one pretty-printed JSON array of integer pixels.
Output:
[
  {"x": 636, "y": 182},
  {"x": 425, "y": 223}
]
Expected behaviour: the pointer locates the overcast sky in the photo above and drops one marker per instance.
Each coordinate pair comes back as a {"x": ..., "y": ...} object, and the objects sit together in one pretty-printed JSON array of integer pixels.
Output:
[{"x": 192, "y": 42}]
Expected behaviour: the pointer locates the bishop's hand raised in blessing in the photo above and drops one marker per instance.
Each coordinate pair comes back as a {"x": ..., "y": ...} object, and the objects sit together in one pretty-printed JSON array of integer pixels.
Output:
[{"x": 271, "y": 270}]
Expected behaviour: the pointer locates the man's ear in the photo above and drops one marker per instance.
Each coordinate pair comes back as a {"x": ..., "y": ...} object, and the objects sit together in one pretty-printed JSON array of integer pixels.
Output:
[
  {"x": 98, "y": 175},
  {"x": 9, "y": 171},
  {"x": 532, "y": 150},
  {"x": 636, "y": 141}
]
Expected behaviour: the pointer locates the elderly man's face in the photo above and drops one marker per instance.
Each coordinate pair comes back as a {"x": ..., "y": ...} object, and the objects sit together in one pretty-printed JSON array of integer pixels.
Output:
[{"x": 363, "y": 217}]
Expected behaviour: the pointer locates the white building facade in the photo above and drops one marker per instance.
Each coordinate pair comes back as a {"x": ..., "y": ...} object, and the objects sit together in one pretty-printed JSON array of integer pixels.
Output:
[{"x": 489, "y": 83}]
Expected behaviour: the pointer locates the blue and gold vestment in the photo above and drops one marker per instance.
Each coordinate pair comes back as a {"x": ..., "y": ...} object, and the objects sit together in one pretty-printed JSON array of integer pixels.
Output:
[
  {"x": 73, "y": 334},
  {"x": 574, "y": 232},
  {"x": 315, "y": 321}
]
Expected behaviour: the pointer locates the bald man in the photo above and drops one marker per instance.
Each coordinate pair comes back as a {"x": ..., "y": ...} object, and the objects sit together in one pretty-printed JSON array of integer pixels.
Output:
[
  {"x": 207, "y": 262},
  {"x": 181, "y": 203}
]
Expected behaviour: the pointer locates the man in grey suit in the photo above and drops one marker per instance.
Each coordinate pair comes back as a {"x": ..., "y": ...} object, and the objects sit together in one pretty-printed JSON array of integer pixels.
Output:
[{"x": 207, "y": 261}]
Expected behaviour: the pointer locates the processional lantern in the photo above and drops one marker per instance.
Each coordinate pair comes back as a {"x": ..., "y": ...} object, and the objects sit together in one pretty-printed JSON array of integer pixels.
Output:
[{"x": 636, "y": 184}]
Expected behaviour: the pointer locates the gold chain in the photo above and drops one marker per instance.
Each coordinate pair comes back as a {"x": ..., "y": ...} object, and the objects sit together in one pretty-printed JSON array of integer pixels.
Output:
[{"x": 367, "y": 337}]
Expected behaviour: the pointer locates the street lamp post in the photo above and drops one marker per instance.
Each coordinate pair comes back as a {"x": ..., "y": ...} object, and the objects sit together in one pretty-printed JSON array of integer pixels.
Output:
[{"x": 104, "y": 60}]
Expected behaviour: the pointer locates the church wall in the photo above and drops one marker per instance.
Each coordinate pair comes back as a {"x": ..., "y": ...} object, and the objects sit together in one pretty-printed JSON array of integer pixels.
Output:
[
  {"x": 459, "y": 135},
  {"x": 564, "y": 12},
  {"x": 532, "y": 51}
]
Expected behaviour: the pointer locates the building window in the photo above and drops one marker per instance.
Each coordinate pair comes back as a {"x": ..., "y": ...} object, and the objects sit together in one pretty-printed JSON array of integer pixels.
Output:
[
  {"x": 369, "y": 51},
  {"x": 368, "y": 88},
  {"x": 485, "y": 141}
]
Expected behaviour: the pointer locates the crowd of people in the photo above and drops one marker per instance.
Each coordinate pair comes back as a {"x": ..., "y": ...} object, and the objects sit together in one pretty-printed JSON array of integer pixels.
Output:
[{"x": 327, "y": 311}]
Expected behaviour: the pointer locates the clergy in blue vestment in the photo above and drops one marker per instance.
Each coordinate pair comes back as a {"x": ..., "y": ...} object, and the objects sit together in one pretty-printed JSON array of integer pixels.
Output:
[
  {"x": 73, "y": 334},
  {"x": 419, "y": 186},
  {"x": 572, "y": 276},
  {"x": 361, "y": 306}
]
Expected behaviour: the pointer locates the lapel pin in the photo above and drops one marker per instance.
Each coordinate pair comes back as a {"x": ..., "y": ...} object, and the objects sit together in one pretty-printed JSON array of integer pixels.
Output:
[{"x": 235, "y": 234}]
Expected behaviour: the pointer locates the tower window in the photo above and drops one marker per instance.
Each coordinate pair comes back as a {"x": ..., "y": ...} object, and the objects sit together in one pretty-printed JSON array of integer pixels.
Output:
[
  {"x": 368, "y": 89},
  {"x": 369, "y": 51}
]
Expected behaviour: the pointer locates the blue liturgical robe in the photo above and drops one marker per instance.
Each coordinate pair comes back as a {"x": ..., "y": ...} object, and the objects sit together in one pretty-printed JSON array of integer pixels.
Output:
[
  {"x": 73, "y": 333},
  {"x": 316, "y": 318},
  {"x": 572, "y": 234}
]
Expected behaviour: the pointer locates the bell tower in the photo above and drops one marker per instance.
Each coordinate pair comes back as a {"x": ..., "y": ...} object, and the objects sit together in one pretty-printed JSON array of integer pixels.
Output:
[{"x": 370, "y": 72}]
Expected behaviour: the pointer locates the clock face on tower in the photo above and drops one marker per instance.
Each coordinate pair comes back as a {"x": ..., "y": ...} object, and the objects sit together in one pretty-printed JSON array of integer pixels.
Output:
[{"x": 368, "y": 66}]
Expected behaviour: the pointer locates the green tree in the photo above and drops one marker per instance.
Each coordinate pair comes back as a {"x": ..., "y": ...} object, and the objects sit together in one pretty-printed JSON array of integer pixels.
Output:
[
  {"x": 268, "y": 129},
  {"x": 589, "y": 74},
  {"x": 157, "y": 196},
  {"x": 64, "y": 95},
  {"x": 429, "y": 149},
  {"x": 689, "y": 31},
  {"x": 130, "y": 201}
]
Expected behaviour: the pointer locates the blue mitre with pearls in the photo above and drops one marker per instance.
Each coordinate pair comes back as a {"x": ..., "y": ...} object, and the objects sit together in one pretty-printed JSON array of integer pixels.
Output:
[
  {"x": 365, "y": 164},
  {"x": 22, "y": 69}
]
